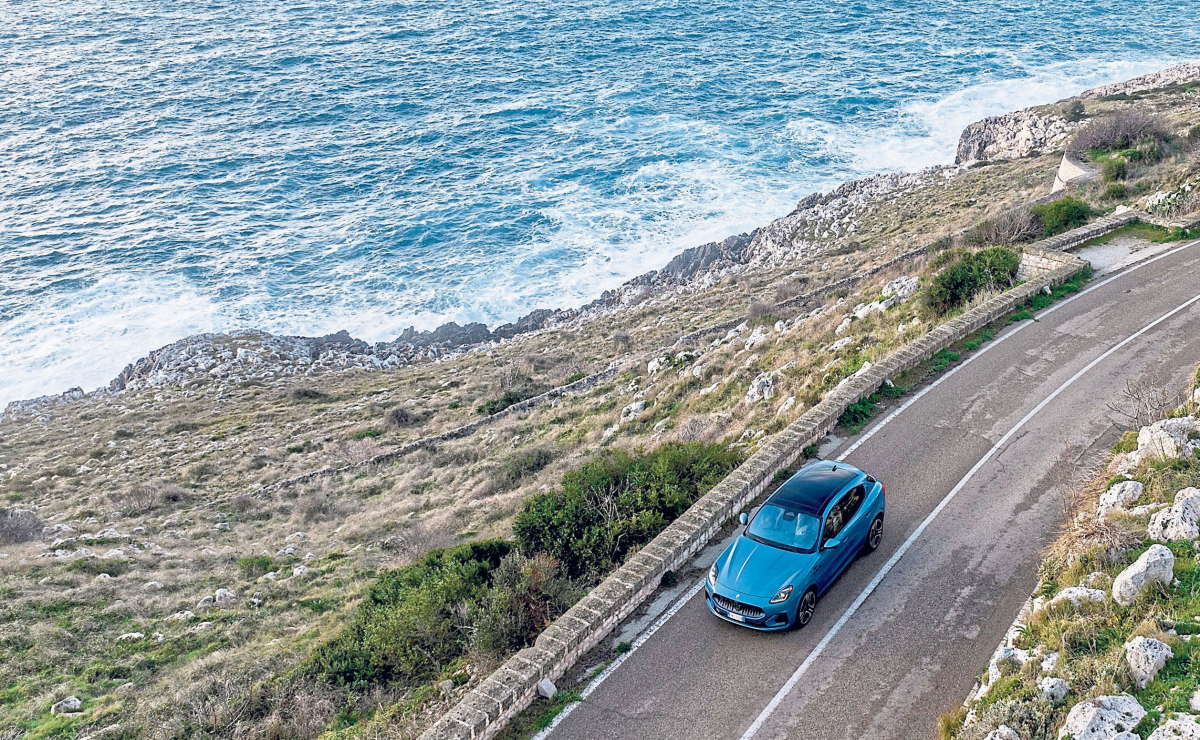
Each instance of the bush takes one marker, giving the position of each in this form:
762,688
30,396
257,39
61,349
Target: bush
397,417
527,594
1010,227
987,269
307,394
18,525
255,566
137,499
1120,131
411,624
510,397
618,502
1115,169
1073,111
524,463
857,414
1062,215
1115,191
95,566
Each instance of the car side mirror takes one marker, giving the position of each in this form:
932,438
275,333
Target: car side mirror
831,544
743,519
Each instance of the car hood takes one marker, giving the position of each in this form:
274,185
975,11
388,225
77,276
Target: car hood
755,569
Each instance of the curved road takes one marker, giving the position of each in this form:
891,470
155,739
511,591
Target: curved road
983,458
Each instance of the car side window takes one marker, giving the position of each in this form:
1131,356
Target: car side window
843,511
853,502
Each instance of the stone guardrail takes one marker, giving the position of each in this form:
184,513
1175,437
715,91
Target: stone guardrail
512,687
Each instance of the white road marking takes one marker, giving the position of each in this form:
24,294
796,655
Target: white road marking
644,636
599,679
891,563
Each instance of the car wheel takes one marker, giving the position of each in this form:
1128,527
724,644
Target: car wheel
875,536
808,605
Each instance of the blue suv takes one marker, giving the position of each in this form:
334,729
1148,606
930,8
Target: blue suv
796,545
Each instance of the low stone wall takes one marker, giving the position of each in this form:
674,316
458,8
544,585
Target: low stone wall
488,707
1035,262
1075,237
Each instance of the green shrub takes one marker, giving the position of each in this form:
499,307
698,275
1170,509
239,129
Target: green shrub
1115,169
1127,443
1062,215
1115,191
524,463
18,525
857,414
1073,111
510,397
95,566
255,566
365,433
618,502
988,269
408,627
527,594
576,376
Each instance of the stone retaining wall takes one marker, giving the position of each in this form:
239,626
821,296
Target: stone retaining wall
489,706
1035,262
1075,237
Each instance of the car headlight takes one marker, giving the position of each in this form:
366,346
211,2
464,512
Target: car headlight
712,575
782,595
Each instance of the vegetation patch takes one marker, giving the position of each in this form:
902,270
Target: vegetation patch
988,269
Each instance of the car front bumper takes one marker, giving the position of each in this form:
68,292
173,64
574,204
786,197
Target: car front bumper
774,616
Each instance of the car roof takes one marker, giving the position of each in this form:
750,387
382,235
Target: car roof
811,489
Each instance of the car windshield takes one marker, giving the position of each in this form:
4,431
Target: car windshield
788,528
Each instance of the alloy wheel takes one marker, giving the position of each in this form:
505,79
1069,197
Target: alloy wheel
876,534
808,604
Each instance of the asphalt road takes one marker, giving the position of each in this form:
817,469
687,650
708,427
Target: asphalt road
917,643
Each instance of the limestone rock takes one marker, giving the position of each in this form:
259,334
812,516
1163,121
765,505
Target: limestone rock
1003,732
1179,727
1179,522
902,287
1156,565
224,597
1194,702
1120,496
1011,136
206,602
446,687
300,571
70,704
1102,718
761,388
1053,689
1076,596
152,586
1167,439
1146,657
182,616
546,688
632,411
759,336
130,636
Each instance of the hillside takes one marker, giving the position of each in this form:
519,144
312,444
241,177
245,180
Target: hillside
175,546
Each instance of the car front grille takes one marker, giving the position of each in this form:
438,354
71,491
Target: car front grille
729,605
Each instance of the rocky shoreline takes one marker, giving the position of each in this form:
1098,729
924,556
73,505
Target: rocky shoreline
820,223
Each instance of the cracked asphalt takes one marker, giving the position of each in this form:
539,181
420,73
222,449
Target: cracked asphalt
916,646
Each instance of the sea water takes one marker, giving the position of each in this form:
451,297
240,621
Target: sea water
168,168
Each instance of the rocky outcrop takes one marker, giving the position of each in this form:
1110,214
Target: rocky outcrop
1179,727
1120,496
1168,439
1003,732
1164,78
1052,689
1146,657
1012,136
1102,718
1156,565
1179,522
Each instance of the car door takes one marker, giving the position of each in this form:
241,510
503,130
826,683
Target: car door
829,563
855,530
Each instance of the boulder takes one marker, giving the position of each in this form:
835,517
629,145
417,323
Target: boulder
1102,718
152,586
1179,522
761,388
224,597
1194,702
70,704
632,411
1120,496
1146,657
1003,732
1005,653
1053,689
1167,439
130,636
1156,565
1077,596
446,687
546,688
1179,727
206,602
182,616
902,287
300,571
760,335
